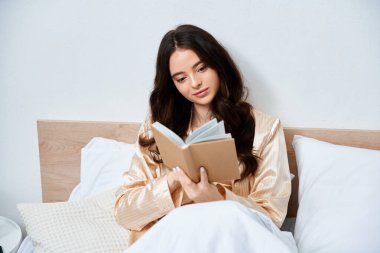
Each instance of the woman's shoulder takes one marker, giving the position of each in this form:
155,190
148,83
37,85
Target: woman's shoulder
264,120
266,126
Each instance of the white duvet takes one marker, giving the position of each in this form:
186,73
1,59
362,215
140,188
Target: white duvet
222,226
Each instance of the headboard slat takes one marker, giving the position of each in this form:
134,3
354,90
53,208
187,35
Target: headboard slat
60,144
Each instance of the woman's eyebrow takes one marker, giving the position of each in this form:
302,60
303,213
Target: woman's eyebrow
194,66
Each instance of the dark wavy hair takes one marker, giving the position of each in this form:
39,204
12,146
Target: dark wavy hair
171,109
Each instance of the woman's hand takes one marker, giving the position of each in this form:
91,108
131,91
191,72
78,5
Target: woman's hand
198,192
173,181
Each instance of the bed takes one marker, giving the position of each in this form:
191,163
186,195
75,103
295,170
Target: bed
61,146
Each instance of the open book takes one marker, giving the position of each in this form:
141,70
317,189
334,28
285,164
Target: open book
208,146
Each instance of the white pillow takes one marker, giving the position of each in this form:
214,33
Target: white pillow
103,162
339,205
79,226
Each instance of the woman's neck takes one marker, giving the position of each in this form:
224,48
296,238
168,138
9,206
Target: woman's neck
200,115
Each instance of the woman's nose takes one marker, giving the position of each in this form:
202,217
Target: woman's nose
195,81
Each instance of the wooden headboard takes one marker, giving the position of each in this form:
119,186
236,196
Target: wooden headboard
60,144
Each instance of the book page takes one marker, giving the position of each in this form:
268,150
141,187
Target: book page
211,138
214,130
201,129
169,133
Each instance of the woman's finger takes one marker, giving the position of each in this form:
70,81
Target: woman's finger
204,177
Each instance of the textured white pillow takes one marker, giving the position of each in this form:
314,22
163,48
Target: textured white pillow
103,162
339,205
79,226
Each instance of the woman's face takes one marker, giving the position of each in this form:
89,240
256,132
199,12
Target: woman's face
196,81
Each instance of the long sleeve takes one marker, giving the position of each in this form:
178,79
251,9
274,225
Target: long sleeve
270,186
145,196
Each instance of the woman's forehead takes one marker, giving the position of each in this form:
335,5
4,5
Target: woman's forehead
182,60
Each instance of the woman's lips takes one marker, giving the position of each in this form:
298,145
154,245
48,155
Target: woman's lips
201,93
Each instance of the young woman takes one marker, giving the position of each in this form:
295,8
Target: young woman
196,80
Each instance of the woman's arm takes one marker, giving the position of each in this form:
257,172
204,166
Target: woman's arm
271,184
146,194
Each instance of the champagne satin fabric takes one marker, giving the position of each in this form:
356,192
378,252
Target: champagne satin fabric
145,197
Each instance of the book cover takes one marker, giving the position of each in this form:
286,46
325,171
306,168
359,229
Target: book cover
208,146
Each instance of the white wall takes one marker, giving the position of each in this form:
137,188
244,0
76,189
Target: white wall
311,63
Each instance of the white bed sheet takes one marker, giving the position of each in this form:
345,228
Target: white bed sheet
27,244
218,226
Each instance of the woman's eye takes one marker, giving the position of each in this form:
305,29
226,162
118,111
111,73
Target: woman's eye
181,80
202,69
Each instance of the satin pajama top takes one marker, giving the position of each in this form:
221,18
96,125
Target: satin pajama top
145,197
